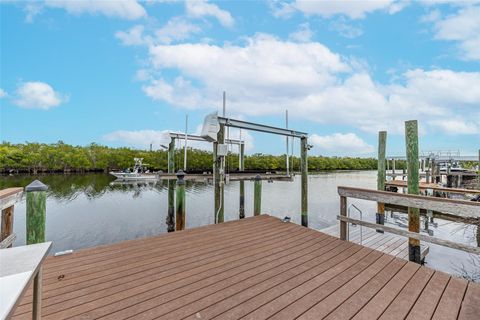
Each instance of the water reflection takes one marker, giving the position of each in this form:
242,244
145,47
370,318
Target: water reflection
93,209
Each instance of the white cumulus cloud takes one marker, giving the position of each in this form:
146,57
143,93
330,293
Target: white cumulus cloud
264,66
463,27
132,37
353,9
303,34
37,95
139,138
265,76
201,8
175,30
340,144
124,9
456,126
3,93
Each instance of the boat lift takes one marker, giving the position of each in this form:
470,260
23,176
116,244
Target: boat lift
214,130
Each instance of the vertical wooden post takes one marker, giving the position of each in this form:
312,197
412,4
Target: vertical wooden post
427,170
478,234
450,179
449,176
219,175
438,176
382,147
411,139
478,173
343,212
393,168
7,223
257,195
432,171
171,187
304,167
180,201
36,211
241,166
478,187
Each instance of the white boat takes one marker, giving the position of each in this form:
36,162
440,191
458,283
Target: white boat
136,174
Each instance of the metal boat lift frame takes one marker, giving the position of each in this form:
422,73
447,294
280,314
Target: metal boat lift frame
219,161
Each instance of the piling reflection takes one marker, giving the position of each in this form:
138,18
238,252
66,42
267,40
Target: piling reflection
92,209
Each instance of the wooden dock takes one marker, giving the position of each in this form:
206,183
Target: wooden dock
254,268
431,186
423,174
389,243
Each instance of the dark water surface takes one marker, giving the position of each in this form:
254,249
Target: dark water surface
89,210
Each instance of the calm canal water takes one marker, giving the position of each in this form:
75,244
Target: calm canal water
89,210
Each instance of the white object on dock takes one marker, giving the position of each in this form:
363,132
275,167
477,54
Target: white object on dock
62,253
18,267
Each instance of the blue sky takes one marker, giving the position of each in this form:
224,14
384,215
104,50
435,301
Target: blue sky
122,73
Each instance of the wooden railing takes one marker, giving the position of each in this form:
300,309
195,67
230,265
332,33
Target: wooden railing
460,208
8,197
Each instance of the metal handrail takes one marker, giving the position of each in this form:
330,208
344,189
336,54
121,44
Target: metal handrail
361,214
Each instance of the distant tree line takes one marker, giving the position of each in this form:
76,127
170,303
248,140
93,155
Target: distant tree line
60,157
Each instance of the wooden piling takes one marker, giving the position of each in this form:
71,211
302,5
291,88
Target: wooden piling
393,168
432,171
219,175
257,195
241,165
381,175
427,170
343,212
180,201
171,187
478,173
304,167
438,177
450,180
478,235
36,212
411,139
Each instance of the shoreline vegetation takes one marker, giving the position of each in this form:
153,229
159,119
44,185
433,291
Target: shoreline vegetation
60,157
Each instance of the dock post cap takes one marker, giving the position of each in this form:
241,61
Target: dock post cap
258,177
36,185
180,173
180,176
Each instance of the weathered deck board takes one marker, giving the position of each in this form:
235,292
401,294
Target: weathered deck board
385,242
256,268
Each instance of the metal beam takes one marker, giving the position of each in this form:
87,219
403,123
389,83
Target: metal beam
193,137
260,127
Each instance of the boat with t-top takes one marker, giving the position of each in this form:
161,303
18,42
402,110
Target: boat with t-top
137,173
